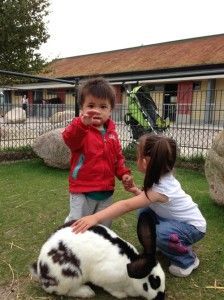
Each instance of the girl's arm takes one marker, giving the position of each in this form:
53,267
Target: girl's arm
115,210
153,196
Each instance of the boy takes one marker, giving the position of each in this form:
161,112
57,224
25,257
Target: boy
96,154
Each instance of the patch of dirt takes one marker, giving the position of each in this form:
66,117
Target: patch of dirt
16,290
24,288
9,292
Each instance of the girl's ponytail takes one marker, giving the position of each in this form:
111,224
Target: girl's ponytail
161,152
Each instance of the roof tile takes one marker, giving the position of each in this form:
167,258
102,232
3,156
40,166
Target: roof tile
200,51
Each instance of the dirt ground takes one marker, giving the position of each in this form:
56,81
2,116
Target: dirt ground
9,292
16,290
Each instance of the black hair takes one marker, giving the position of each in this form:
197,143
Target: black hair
99,88
162,152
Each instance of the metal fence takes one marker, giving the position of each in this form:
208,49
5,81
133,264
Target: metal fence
194,135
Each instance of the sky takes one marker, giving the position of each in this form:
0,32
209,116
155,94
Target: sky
79,27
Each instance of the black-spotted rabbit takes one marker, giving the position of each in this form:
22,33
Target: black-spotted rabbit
68,261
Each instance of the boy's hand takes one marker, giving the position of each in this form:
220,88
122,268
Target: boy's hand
88,117
127,181
84,223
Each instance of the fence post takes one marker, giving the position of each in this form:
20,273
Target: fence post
76,98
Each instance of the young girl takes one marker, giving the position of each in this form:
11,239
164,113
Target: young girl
180,222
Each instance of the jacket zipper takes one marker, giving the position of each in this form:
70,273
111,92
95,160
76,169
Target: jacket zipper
78,166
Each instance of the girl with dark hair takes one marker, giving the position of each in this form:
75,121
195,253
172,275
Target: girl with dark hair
180,223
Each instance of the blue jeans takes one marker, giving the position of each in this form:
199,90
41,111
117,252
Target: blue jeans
174,239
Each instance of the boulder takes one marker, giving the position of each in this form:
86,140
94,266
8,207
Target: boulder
214,169
52,149
62,116
14,116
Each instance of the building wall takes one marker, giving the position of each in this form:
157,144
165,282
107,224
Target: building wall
198,102
200,107
118,94
70,98
157,97
219,100
16,98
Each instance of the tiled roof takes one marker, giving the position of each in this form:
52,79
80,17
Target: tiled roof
193,52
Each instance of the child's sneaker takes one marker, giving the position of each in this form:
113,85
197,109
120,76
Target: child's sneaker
179,272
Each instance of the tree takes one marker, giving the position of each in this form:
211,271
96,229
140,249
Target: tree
22,32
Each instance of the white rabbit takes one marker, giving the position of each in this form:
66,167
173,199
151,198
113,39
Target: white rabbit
68,261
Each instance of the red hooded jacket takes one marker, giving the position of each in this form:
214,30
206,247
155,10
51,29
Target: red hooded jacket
95,158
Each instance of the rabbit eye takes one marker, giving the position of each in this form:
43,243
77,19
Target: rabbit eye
145,287
47,280
154,281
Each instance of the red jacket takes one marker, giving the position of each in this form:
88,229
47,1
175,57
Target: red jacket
95,158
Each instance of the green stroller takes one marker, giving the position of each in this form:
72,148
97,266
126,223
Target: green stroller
142,115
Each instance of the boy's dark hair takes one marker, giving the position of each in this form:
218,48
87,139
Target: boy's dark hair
99,88
162,151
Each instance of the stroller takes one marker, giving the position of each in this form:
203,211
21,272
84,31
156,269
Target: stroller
142,113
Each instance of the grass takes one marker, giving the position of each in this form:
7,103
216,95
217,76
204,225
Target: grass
34,201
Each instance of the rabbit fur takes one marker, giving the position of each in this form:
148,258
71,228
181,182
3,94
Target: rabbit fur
68,261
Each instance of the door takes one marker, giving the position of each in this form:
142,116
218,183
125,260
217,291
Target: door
184,97
170,96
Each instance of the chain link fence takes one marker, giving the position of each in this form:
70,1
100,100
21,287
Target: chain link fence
193,132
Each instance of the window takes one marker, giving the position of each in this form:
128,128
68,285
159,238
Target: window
19,93
51,92
155,87
197,85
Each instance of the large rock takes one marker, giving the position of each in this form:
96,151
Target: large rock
52,149
214,169
62,116
14,116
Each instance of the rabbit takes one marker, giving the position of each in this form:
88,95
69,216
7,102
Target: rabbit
68,261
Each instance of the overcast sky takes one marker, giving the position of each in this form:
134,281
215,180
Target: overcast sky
80,27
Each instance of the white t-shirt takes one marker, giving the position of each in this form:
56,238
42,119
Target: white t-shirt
24,100
180,205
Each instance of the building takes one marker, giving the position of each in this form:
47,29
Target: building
187,74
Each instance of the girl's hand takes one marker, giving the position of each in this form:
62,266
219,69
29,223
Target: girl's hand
88,117
84,223
129,184
135,190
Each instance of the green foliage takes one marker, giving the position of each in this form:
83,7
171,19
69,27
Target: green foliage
22,149
34,202
14,154
23,30
198,159
196,162
130,151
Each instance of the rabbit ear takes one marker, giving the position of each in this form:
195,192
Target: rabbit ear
146,230
141,267
138,269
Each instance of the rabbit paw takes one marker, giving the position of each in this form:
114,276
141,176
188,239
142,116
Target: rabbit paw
83,291
118,294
